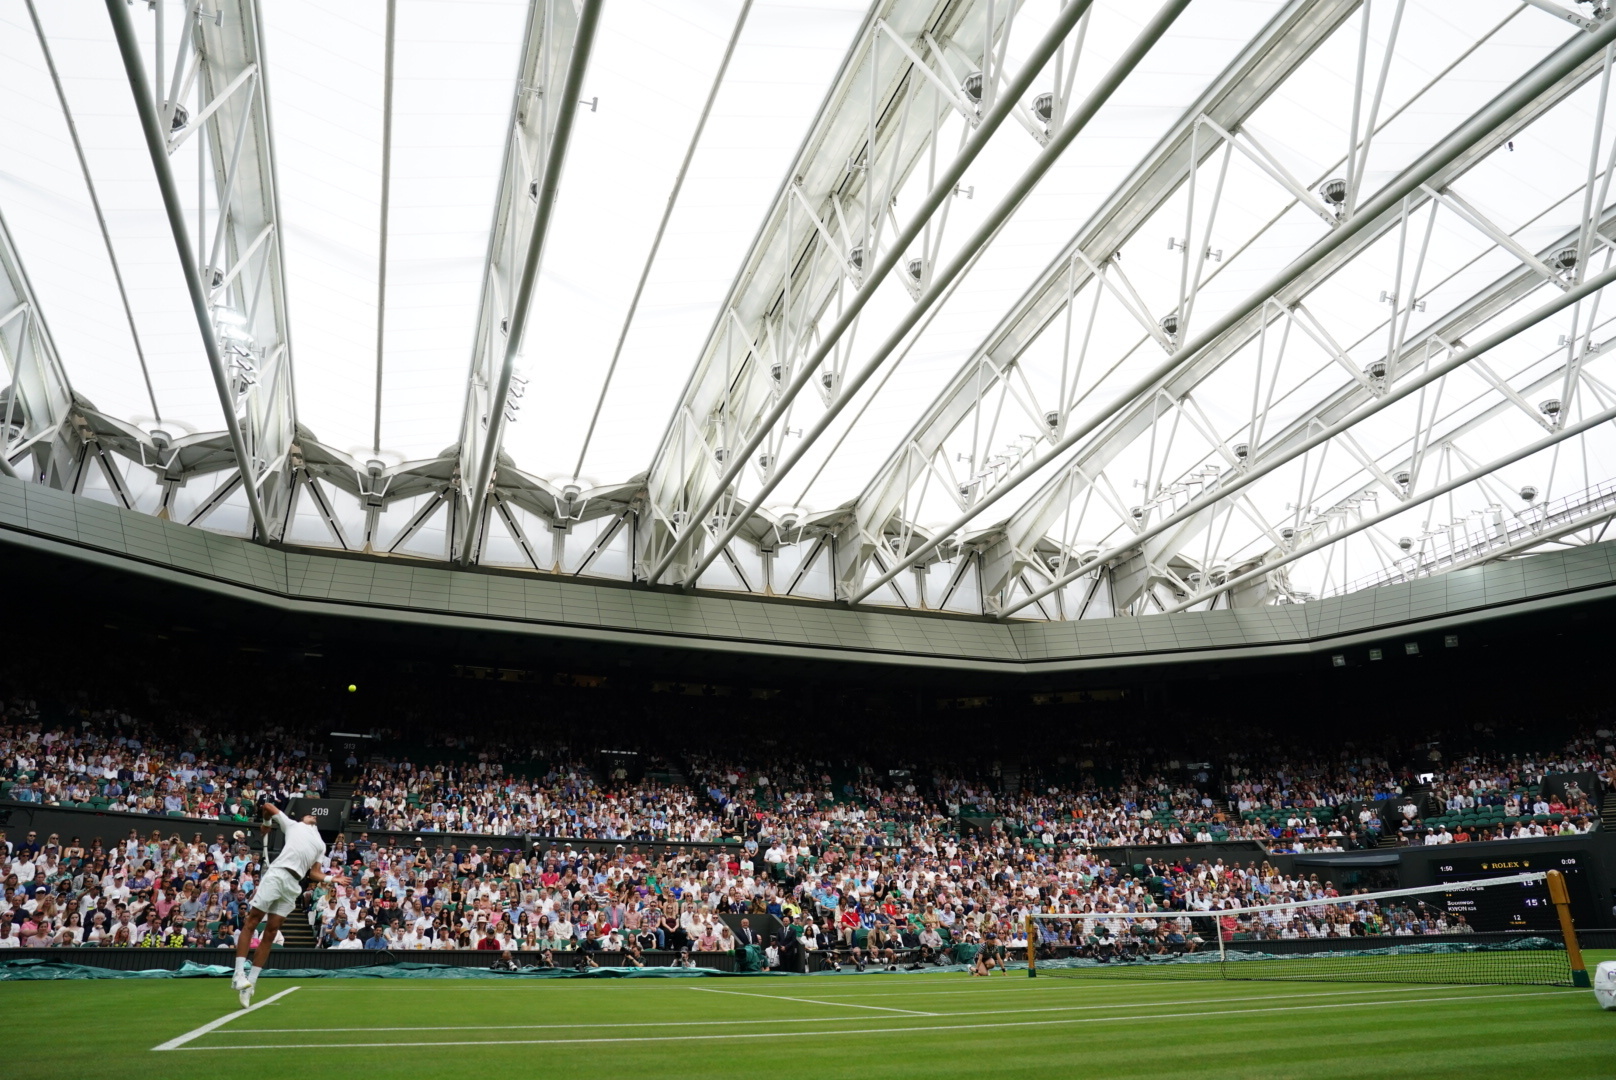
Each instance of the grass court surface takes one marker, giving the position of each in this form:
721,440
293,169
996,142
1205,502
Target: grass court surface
869,1026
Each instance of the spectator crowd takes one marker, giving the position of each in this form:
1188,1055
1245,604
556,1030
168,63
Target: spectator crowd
862,863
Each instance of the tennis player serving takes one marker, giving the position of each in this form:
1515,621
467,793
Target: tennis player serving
277,893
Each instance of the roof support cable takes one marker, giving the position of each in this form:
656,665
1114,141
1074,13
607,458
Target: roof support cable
662,227
387,188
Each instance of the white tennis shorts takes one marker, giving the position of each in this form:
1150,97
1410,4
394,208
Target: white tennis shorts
277,893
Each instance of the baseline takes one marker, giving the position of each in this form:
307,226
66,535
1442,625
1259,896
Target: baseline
213,1025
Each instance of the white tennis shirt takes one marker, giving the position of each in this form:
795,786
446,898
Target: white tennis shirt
304,847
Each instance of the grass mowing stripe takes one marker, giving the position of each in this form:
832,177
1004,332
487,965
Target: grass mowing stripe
1008,1011
738,1035
212,1025
811,1001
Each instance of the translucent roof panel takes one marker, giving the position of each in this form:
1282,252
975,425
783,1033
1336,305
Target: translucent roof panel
455,66
47,208
652,71
1218,353
454,72
326,91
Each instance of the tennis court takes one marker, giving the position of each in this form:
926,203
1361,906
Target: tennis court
874,1025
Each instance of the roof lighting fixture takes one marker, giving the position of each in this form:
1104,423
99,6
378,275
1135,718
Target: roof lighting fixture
1334,193
972,87
231,325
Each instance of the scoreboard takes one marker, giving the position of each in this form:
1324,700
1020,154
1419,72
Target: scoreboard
1522,907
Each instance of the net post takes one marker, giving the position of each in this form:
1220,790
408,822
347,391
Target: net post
1032,947
1561,900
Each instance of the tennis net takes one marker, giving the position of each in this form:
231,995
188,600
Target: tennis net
1421,935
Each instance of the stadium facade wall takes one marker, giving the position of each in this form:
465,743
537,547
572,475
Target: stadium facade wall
412,592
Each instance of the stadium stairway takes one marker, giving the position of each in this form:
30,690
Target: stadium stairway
1608,812
1010,779
1420,795
296,929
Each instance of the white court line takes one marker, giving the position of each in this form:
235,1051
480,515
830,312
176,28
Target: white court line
879,1031
176,1044
995,989
812,1001
1007,1011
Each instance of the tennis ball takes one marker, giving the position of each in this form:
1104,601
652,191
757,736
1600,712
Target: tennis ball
352,688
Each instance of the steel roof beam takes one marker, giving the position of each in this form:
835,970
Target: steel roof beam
1485,306
1285,43
946,276
243,274
1549,82
877,124
1236,482
1034,518
1478,473
37,403
201,300
554,58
